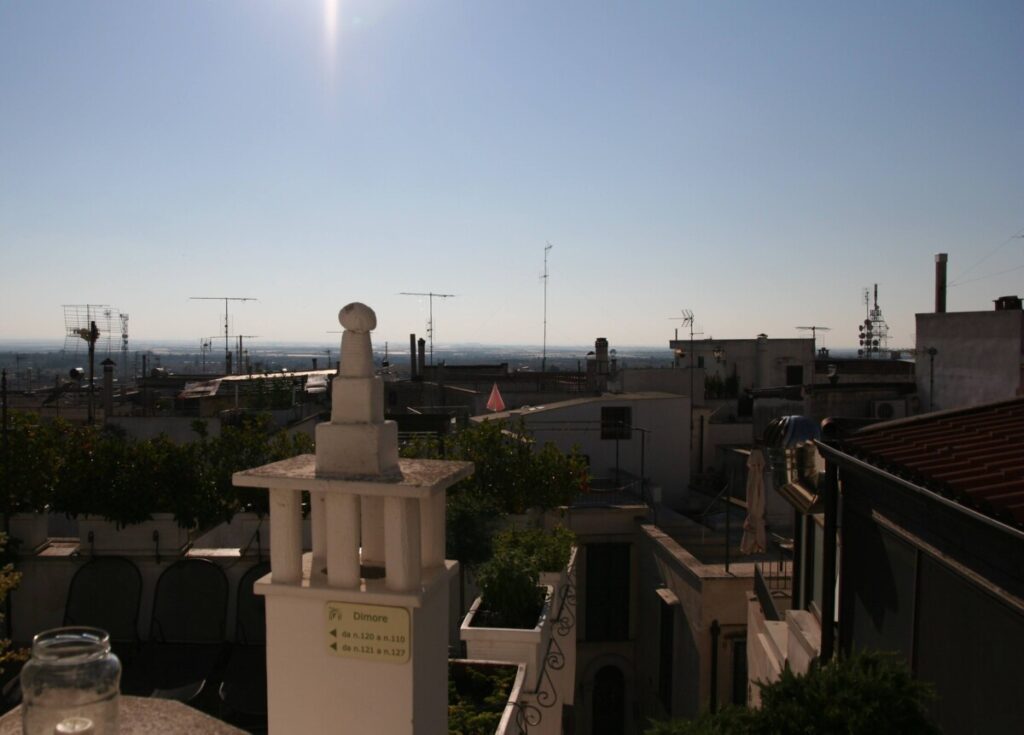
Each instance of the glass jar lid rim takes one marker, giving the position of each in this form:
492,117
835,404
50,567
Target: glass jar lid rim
70,644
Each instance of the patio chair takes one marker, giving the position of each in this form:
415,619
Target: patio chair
105,593
243,692
186,632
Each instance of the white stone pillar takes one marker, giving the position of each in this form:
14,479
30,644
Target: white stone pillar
432,524
402,544
286,536
373,530
343,540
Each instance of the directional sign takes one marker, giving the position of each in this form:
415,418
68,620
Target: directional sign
369,632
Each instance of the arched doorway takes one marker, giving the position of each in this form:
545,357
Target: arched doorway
608,709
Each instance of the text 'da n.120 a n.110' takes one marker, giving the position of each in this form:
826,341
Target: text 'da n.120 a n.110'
370,632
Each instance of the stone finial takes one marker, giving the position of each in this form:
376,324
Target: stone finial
357,317
356,351
357,441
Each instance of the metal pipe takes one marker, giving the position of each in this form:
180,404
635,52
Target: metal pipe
940,282
828,576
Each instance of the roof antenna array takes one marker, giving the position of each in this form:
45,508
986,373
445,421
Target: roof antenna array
227,322
88,323
874,331
430,321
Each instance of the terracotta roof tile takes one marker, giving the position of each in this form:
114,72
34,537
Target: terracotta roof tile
974,454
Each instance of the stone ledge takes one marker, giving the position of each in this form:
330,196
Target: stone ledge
419,478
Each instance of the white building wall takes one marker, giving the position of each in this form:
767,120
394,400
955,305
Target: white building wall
756,365
979,358
664,446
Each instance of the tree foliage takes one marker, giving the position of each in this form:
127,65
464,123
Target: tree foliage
9,580
511,470
548,550
868,693
81,470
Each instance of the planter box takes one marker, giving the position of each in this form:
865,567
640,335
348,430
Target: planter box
31,530
240,533
509,723
517,645
134,540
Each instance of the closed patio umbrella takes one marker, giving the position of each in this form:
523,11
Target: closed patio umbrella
495,403
754,534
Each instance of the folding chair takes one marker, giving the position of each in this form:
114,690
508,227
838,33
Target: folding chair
243,692
186,631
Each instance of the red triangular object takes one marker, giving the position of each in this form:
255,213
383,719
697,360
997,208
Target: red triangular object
494,403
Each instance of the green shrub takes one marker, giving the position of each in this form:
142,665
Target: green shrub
549,550
508,586
868,693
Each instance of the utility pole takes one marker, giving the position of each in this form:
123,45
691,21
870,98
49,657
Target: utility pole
544,353
225,299
90,335
430,322
687,317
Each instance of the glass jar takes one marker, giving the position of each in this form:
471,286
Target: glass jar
71,683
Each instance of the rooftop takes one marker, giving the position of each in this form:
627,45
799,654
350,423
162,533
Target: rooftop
973,455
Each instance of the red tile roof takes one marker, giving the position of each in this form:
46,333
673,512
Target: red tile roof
975,455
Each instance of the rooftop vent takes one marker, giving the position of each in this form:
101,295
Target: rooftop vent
1008,303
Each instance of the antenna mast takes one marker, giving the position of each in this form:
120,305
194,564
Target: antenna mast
874,332
430,322
814,329
225,299
544,353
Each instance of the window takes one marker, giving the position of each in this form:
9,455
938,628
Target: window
794,374
616,422
739,671
607,591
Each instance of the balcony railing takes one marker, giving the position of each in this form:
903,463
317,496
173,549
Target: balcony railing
773,585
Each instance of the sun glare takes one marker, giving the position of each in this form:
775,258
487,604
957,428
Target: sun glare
331,12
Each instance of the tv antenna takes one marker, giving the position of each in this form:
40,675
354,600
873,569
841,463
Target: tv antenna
205,345
225,299
430,321
80,316
814,329
124,351
241,351
687,321
544,349
88,322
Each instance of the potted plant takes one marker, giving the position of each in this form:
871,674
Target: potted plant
550,551
510,620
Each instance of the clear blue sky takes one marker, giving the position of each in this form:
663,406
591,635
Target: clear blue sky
757,163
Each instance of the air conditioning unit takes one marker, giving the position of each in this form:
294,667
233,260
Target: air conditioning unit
886,410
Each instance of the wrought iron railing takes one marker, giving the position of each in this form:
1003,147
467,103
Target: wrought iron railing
773,582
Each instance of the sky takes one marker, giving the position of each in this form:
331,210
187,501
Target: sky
756,163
